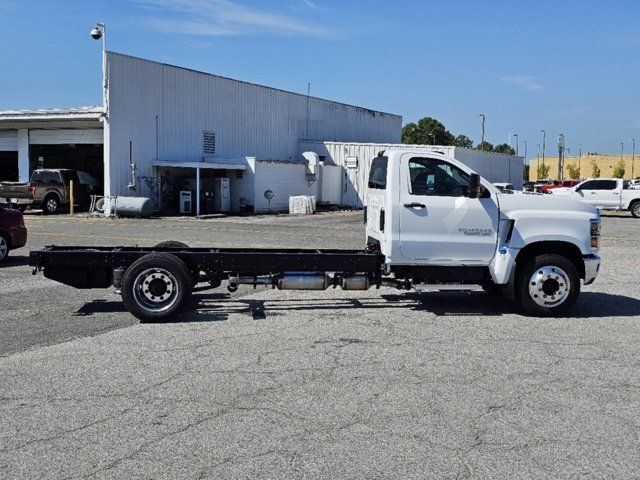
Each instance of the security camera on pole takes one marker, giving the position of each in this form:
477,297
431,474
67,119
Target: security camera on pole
99,32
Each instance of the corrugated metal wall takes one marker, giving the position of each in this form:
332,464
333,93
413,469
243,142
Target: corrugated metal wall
163,110
8,140
495,167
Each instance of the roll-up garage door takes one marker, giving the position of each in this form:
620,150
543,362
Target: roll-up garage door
8,140
66,136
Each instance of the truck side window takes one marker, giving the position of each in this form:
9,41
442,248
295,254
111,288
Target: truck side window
599,185
378,173
430,176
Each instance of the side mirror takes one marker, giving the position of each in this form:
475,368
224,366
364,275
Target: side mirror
474,185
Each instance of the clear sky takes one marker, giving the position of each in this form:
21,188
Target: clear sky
568,66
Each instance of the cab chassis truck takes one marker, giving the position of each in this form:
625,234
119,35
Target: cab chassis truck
431,224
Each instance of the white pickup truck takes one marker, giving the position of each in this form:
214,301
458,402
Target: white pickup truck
605,194
431,224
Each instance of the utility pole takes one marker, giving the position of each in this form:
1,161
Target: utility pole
433,136
516,135
482,138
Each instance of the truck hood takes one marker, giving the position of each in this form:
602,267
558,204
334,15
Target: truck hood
536,202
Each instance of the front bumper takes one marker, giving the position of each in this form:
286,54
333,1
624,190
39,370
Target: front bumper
591,268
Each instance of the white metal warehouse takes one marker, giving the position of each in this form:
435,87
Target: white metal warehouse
163,126
166,130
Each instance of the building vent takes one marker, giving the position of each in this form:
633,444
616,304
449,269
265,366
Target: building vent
239,173
208,143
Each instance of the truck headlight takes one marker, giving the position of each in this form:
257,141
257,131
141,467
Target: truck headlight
595,232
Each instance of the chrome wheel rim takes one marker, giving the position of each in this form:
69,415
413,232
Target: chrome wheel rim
636,209
156,290
549,286
52,205
4,248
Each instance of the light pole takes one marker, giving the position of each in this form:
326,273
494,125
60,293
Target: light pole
482,138
516,135
560,156
633,154
580,160
544,144
621,151
433,136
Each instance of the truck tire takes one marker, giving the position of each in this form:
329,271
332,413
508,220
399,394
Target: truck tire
547,286
156,287
99,205
51,204
171,244
4,248
634,208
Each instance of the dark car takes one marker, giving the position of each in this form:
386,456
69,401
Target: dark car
13,233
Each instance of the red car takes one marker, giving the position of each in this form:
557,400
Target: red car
562,184
13,233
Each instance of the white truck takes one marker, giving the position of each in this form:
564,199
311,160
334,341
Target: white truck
431,224
605,194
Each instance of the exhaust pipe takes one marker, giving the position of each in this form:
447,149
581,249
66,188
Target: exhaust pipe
304,281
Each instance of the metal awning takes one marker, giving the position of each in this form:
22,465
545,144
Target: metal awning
200,165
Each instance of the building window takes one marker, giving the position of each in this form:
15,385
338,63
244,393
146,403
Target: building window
208,143
238,173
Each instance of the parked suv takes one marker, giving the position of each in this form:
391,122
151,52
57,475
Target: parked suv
13,233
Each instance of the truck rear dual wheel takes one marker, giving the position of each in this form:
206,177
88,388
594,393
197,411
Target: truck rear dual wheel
547,286
635,209
156,287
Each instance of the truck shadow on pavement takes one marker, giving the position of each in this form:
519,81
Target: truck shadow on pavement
219,307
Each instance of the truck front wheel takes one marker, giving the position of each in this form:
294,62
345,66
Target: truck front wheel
156,287
548,286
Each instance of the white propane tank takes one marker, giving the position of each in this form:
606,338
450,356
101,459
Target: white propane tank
133,206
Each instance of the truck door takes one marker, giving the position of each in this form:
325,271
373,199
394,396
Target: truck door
600,193
438,223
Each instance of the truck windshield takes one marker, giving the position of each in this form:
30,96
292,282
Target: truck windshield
378,173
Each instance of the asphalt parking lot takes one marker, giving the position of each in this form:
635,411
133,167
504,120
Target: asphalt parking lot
271,384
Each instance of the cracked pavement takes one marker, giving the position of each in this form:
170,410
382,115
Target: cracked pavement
271,384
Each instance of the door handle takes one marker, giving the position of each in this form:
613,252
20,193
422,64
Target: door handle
415,205
593,193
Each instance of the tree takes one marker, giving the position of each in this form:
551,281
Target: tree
428,131
618,171
504,148
574,171
595,170
485,146
542,171
463,141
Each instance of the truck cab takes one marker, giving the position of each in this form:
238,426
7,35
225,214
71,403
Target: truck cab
435,220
